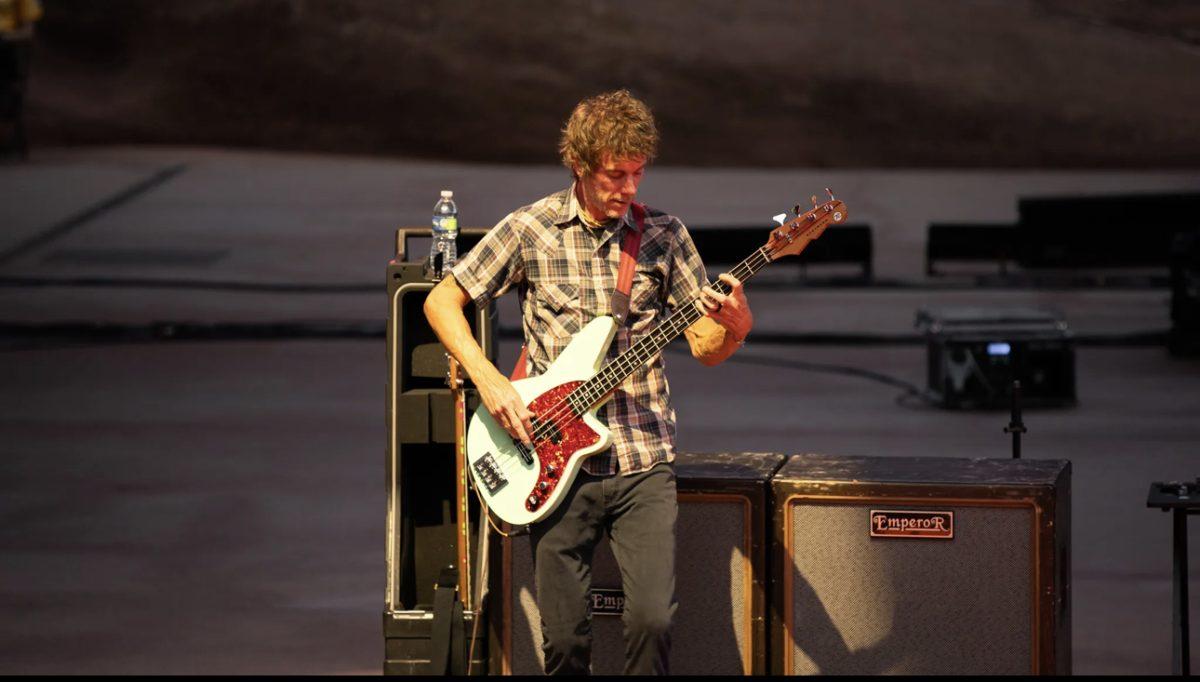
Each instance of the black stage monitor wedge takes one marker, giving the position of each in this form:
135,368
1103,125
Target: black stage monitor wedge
721,578
975,353
921,566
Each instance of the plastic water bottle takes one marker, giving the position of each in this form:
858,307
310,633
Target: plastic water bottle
444,250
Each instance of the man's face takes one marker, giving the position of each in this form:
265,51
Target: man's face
608,190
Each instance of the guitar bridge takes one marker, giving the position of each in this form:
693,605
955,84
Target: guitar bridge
488,473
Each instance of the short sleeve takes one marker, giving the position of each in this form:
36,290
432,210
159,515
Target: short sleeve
494,265
687,270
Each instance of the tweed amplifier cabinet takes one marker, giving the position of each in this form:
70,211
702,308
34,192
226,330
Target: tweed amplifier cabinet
921,566
721,573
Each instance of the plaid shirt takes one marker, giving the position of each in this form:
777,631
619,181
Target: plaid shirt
565,274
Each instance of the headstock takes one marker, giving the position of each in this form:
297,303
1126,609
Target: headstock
792,236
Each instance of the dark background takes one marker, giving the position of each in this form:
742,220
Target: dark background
1062,83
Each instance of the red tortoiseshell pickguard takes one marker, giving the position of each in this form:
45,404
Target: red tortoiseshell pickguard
552,407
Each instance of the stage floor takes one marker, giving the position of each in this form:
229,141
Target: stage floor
218,506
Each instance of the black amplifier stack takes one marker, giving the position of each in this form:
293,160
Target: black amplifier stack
424,519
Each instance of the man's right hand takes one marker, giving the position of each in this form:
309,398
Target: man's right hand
506,407
444,310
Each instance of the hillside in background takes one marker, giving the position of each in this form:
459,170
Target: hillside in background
835,83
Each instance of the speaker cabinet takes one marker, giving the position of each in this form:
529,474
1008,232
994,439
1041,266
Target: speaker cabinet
721,578
921,566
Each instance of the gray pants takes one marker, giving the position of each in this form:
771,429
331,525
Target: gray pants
638,513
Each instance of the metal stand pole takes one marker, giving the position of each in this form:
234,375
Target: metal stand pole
1016,427
1180,649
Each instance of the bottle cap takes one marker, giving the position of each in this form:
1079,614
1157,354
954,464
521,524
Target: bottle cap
447,194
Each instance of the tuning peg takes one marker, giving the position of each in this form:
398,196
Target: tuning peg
780,218
814,200
796,209
830,193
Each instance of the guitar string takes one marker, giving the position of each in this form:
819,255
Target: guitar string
590,392
610,377
671,326
566,406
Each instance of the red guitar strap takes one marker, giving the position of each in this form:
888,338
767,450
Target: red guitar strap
629,251
620,298
519,372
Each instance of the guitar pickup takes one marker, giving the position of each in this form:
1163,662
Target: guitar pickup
488,473
550,431
525,452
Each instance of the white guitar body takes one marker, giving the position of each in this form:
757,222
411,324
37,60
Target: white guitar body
503,477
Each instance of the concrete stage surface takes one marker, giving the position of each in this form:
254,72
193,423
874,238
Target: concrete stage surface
218,506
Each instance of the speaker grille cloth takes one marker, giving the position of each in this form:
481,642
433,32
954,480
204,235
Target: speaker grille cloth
864,605
713,572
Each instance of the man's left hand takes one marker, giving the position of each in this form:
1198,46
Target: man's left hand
731,310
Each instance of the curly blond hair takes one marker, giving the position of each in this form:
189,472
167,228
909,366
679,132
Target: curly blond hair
615,123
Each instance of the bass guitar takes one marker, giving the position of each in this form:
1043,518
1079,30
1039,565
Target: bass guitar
523,484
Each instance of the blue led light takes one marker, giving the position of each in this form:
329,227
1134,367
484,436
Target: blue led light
999,349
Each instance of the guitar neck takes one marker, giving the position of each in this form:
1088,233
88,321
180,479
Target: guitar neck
613,374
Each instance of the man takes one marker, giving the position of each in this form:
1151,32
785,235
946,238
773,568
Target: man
562,253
